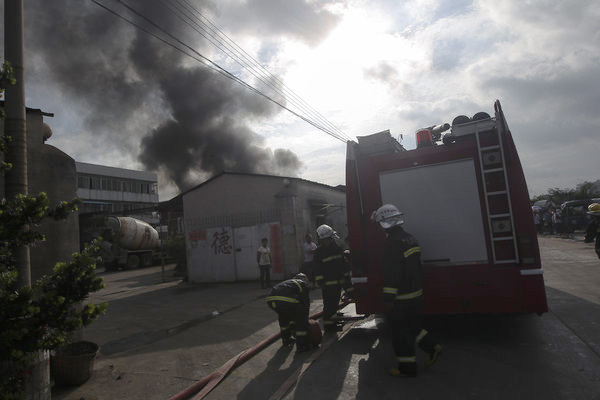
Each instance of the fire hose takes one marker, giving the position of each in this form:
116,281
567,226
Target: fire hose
201,388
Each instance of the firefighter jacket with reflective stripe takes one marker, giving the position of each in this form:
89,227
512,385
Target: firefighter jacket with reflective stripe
402,271
290,291
331,267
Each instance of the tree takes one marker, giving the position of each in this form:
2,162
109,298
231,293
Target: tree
585,190
44,315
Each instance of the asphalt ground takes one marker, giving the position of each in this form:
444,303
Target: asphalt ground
159,338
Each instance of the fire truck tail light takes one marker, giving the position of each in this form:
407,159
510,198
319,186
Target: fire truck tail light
526,249
424,138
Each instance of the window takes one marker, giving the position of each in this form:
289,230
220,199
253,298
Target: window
95,183
83,182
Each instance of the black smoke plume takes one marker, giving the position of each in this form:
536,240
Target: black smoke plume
182,119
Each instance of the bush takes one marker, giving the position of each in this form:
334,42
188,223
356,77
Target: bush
45,315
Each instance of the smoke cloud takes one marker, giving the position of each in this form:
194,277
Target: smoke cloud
178,117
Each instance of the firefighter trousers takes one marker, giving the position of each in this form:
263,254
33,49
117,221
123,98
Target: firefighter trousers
331,300
293,320
407,332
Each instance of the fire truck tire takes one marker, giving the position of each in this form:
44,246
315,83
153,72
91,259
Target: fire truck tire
133,261
481,115
461,119
147,260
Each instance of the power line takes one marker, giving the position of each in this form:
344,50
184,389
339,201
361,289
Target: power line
247,61
328,131
250,65
205,60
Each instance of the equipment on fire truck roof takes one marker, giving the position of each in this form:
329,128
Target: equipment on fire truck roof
463,125
379,143
428,136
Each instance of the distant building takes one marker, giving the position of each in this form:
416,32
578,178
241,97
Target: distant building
120,191
226,217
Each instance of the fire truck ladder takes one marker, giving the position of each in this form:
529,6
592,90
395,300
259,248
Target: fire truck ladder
496,222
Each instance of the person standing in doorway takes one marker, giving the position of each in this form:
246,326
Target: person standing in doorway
263,257
309,249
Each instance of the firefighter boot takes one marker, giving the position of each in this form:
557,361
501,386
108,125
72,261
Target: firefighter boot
433,356
288,341
405,369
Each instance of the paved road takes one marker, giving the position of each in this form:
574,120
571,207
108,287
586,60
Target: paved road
159,337
555,356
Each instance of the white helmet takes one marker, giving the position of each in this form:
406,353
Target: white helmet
325,231
388,215
302,277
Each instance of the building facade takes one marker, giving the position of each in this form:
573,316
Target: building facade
226,217
109,190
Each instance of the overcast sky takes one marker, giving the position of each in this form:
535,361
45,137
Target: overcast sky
123,98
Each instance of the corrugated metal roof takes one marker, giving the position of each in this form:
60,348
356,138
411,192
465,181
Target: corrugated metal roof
339,188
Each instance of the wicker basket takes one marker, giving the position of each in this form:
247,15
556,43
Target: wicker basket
73,364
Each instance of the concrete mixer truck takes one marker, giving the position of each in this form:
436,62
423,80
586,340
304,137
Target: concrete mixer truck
126,242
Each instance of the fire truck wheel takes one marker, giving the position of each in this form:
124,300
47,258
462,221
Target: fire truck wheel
133,261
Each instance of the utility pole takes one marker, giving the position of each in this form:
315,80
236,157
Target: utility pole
15,181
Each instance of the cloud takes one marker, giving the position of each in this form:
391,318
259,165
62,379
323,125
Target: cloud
383,72
541,59
308,21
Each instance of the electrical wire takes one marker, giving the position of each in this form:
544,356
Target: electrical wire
194,54
251,65
247,61
227,72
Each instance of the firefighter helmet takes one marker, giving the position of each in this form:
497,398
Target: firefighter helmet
325,231
388,215
302,277
594,209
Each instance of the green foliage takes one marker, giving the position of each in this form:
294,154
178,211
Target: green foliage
558,196
6,78
45,315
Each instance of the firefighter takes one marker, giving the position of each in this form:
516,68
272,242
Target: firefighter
332,274
403,293
290,300
594,227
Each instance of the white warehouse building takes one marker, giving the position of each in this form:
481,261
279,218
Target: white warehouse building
226,217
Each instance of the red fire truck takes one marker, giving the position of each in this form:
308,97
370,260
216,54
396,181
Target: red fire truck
466,202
